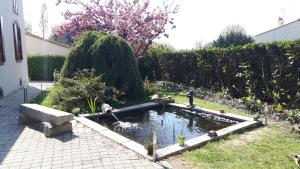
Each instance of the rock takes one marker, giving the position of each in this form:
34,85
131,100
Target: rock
212,133
51,130
297,159
296,128
154,97
46,114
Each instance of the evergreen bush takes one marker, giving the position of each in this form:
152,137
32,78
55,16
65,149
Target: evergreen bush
110,56
76,92
42,67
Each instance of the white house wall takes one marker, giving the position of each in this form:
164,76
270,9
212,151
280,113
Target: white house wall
12,71
287,32
36,45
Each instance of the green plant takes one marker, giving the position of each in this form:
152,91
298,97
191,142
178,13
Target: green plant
294,117
149,148
42,67
150,88
70,93
111,57
278,108
76,111
92,104
252,105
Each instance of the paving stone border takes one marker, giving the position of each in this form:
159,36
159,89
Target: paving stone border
244,123
26,147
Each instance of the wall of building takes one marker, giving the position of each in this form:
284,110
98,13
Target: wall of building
38,45
12,71
290,31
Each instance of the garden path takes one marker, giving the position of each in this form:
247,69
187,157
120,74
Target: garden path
27,147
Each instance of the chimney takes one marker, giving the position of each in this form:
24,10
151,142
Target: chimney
280,21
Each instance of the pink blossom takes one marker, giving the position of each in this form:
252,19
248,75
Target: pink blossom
133,20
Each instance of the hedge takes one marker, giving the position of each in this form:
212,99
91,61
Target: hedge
269,72
42,67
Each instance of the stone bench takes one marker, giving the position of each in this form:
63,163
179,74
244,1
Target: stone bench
58,122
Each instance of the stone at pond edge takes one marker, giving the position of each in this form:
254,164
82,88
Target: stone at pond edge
52,130
212,133
296,129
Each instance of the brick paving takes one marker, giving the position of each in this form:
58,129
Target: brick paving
27,147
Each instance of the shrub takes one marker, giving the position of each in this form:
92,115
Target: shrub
294,117
270,72
252,105
73,93
42,67
110,56
150,88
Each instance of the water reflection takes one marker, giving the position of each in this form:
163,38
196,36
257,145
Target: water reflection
169,124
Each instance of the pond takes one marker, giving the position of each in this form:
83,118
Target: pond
169,125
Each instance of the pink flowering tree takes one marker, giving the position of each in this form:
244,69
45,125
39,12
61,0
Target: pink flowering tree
134,20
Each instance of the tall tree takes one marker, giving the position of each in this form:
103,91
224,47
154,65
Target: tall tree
44,19
28,27
134,20
233,35
62,38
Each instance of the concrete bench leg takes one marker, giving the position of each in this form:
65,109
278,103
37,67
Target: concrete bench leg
51,130
26,120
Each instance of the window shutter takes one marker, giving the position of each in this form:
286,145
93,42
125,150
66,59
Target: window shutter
17,42
2,49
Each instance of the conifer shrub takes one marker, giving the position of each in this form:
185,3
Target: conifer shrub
108,55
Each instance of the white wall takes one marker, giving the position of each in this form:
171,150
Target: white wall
11,71
288,32
37,45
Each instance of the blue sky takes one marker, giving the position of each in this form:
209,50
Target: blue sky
197,20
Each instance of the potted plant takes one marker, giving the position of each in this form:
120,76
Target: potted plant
181,140
149,148
222,111
181,137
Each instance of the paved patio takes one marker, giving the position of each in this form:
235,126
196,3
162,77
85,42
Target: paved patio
27,147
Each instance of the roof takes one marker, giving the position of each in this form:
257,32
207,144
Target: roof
298,20
47,40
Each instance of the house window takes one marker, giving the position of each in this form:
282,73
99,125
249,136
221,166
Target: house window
15,7
2,50
17,42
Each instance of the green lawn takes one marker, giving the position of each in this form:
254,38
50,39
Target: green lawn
269,147
205,104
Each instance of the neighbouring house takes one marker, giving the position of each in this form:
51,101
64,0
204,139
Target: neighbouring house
39,45
290,31
13,59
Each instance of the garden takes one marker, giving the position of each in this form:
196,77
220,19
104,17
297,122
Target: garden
115,69
256,80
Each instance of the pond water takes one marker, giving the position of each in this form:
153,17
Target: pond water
138,125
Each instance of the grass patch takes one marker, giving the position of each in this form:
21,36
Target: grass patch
273,149
179,98
43,99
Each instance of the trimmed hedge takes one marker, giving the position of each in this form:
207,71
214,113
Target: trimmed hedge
42,67
110,56
269,72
